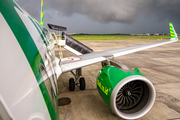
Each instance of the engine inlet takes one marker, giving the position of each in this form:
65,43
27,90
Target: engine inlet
129,95
133,97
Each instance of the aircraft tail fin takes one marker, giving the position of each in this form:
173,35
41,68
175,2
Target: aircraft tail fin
42,13
173,33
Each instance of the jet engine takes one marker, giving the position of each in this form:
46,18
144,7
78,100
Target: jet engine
127,92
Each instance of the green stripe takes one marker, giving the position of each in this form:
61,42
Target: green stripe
171,31
40,32
41,28
29,48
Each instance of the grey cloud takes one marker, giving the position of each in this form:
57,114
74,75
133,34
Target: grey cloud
104,11
101,10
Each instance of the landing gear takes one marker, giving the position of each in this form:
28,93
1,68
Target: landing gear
71,84
79,80
82,83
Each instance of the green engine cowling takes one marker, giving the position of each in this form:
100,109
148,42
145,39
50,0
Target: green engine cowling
128,93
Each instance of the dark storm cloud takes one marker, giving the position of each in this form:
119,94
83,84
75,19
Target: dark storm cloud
123,11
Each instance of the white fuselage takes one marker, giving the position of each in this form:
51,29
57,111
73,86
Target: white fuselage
20,91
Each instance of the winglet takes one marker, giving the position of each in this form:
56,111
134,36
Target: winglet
173,33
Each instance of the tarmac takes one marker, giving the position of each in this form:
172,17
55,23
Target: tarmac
161,65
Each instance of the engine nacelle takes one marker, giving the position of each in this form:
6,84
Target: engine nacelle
129,94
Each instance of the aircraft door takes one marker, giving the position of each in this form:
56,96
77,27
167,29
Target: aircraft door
49,86
50,72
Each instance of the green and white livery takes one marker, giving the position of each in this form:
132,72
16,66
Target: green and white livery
29,71
173,32
42,14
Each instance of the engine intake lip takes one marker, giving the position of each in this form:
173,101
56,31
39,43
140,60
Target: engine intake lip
144,105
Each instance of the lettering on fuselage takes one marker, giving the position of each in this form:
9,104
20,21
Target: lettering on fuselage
104,89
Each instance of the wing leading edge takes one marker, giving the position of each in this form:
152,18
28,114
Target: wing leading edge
96,57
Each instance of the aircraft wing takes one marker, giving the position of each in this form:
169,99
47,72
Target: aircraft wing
73,63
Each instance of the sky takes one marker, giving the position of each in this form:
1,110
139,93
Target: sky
107,16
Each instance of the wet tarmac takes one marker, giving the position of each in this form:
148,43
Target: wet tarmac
161,65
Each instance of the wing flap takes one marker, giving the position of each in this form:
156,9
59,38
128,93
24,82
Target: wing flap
82,63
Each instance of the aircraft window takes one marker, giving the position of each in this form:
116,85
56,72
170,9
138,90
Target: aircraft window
47,34
48,86
45,31
3,113
49,39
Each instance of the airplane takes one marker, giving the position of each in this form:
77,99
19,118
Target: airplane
29,71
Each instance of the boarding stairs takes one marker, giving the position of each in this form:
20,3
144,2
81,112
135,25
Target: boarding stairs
75,46
67,42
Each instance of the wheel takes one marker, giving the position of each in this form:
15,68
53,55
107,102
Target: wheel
71,84
82,83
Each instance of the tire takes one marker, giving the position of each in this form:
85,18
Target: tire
82,84
103,64
71,84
